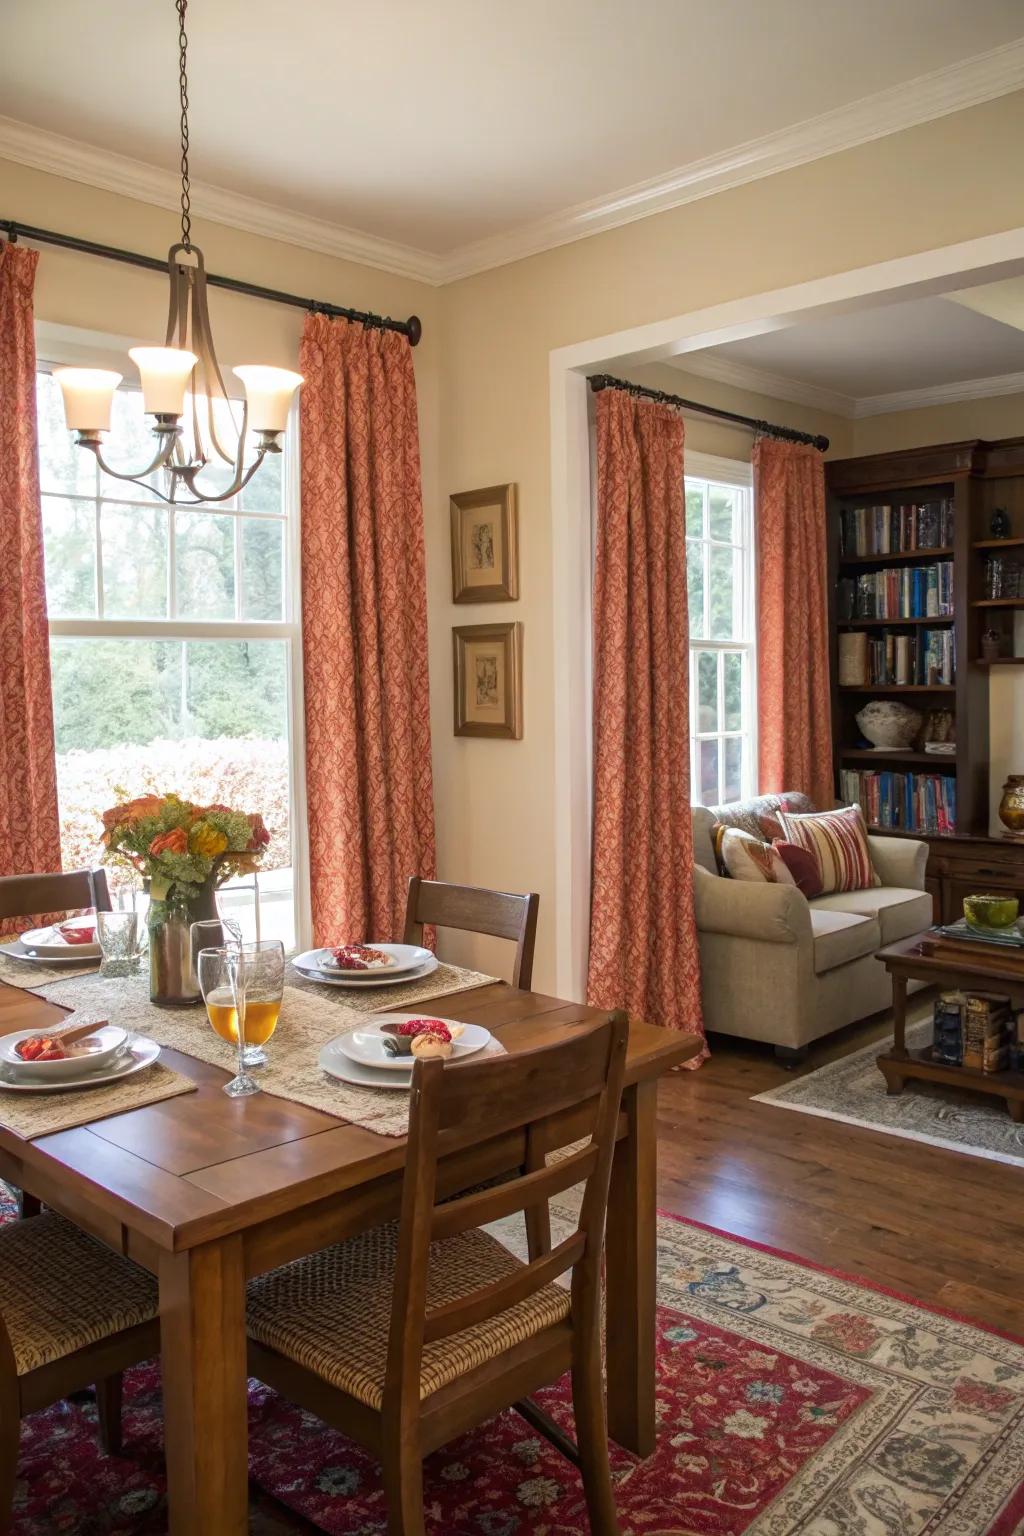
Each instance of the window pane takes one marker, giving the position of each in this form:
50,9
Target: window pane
130,447
262,567
134,541
723,513
204,560
695,509
63,466
695,588
724,582
264,493
733,685
733,768
69,546
708,772
707,691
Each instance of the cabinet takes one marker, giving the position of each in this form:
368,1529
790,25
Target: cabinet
965,866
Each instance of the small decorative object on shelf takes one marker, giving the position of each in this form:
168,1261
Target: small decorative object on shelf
1000,524
991,911
186,851
889,725
991,641
1011,806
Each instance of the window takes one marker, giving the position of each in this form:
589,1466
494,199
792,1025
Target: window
720,588
173,646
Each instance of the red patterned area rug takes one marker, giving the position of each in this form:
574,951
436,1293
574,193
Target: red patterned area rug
790,1400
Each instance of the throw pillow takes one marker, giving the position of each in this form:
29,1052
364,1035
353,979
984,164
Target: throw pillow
802,865
747,858
839,842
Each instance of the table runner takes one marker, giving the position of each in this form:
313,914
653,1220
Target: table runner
32,1115
311,1015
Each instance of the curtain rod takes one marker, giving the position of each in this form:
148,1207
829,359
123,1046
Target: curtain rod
412,328
601,381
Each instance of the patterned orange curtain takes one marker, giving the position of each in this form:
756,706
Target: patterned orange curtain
29,824
364,631
794,712
643,937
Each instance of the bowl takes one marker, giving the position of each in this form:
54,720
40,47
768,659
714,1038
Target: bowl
94,1052
991,911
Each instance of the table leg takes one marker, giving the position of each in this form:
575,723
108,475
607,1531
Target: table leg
630,1268
899,1015
202,1335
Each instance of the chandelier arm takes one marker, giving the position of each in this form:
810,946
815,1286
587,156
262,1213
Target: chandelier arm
202,336
161,459
189,474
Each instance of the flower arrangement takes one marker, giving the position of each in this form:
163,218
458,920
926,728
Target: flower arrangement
181,847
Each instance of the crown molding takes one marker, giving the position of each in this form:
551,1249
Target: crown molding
953,88
760,382
60,156
940,394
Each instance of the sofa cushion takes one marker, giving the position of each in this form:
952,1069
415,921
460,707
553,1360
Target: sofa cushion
839,841
760,815
748,858
841,936
898,911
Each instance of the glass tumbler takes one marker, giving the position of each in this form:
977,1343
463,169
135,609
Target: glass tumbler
118,936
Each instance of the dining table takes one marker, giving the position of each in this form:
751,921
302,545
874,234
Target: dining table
206,1191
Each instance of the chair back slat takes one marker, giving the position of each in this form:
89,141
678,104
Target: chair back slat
473,909
491,1300
535,1188
40,895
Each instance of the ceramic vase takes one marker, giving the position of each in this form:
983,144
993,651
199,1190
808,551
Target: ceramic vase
1011,806
889,725
172,977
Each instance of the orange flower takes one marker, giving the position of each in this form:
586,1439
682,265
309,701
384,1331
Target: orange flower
175,841
132,810
260,836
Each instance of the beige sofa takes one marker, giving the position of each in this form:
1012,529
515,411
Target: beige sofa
777,967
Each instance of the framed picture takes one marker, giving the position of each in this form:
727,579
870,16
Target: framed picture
488,662
485,545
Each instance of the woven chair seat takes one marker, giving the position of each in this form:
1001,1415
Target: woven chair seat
331,1312
61,1290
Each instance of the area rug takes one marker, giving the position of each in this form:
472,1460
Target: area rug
789,1400
852,1090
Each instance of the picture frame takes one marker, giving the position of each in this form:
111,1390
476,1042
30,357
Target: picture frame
488,675
485,545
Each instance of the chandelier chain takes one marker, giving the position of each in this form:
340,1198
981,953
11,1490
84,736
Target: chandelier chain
186,202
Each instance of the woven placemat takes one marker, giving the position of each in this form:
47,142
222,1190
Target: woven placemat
30,975
311,1015
30,1115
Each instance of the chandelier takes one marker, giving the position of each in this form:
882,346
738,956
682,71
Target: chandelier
186,361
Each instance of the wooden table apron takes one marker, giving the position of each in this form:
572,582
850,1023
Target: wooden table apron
205,1191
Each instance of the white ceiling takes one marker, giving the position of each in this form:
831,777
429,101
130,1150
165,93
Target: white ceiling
438,124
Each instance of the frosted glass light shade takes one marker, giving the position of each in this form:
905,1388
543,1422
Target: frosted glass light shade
268,392
165,372
88,395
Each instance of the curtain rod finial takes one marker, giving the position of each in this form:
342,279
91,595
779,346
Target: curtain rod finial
414,330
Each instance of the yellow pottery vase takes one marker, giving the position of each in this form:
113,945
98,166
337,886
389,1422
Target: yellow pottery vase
1011,806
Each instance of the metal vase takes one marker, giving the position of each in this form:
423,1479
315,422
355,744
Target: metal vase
172,976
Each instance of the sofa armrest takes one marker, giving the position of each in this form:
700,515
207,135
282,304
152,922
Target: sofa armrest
749,909
899,861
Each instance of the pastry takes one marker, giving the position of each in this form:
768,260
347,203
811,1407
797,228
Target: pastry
431,1047
357,957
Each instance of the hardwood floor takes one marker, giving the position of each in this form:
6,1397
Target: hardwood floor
942,1227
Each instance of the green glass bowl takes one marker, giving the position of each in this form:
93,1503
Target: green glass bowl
991,911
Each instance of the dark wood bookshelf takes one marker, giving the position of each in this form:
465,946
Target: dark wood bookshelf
933,622
897,687
1001,661
998,602
906,556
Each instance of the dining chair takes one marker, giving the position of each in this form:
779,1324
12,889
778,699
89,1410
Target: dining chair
413,1333
498,914
72,1314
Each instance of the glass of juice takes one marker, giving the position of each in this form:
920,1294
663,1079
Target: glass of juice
242,987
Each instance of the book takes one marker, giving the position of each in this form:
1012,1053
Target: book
986,1032
853,658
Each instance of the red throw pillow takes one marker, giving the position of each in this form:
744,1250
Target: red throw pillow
802,865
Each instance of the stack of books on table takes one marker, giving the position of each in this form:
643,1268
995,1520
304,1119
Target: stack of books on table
1009,938
976,1030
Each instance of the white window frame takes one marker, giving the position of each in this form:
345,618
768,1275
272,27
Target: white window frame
733,473
57,345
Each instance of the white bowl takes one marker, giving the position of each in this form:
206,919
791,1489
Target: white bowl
89,1055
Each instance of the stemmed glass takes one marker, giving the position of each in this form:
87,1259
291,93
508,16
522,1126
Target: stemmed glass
222,981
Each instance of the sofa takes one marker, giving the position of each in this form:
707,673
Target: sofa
780,968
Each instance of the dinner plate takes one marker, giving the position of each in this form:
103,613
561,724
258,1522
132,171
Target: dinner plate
103,1047
142,1054
48,944
348,1071
403,957
364,978
366,1044
72,954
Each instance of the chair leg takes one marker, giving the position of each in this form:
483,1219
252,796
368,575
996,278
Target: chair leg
10,1437
403,1488
29,1205
592,1438
108,1410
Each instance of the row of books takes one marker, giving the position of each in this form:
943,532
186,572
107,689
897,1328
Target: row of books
902,802
888,530
898,592
978,1030
887,658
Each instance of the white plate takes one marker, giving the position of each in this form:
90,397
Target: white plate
366,1044
143,1053
337,1065
109,1039
48,944
71,955
403,958
359,979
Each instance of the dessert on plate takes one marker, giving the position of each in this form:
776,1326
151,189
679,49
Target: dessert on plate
425,1039
356,957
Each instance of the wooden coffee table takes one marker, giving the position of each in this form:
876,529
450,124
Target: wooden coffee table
929,957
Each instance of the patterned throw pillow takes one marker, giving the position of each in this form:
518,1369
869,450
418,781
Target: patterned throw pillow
839,842
747,858
802,865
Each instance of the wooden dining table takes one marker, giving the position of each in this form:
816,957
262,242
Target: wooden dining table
205,1191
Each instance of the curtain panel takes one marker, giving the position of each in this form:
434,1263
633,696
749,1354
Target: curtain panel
794,710
29,823
643,936
364,631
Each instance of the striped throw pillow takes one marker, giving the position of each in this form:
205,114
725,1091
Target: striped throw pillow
839,842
